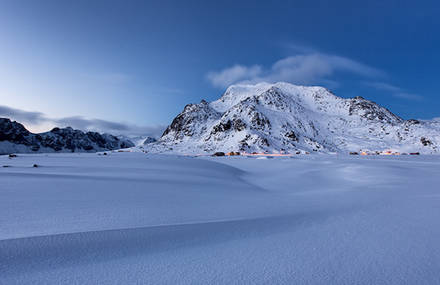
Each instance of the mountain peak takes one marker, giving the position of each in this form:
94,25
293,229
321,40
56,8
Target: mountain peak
285,117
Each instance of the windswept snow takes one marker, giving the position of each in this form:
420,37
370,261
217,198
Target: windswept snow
127,218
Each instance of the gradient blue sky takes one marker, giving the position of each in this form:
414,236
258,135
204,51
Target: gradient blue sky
140,62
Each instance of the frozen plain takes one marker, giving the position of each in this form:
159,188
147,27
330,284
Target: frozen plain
132,218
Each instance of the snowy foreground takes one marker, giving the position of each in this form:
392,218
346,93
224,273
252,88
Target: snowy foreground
129,218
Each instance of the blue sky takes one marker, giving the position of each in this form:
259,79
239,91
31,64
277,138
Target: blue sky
139,62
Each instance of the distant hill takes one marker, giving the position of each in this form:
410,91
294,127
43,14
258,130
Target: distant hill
15,138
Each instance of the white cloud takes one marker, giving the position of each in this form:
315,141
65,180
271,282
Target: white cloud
20,115
299,69
408,96
307,67
38,122
233,74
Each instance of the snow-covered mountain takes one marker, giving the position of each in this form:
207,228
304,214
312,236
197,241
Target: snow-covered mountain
14,137
285,117
138,140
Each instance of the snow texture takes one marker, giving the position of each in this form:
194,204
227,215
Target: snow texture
132,218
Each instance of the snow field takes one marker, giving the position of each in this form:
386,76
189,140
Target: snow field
130,218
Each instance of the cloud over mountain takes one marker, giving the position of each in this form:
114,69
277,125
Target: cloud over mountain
306,69
36,119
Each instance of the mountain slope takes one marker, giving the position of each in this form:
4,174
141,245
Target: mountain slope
14,137
285,117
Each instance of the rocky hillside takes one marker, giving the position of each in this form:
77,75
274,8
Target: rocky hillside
287,118
14,137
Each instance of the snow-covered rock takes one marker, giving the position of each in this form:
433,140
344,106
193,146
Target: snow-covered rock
14,137
284,117
138,140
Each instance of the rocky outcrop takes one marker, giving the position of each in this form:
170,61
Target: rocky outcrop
14,137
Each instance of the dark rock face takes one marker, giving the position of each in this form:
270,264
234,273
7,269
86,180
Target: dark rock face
425,141
413,122
222,127
291,135
372,111
59,139
235,124
183,124
238,125
14,132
